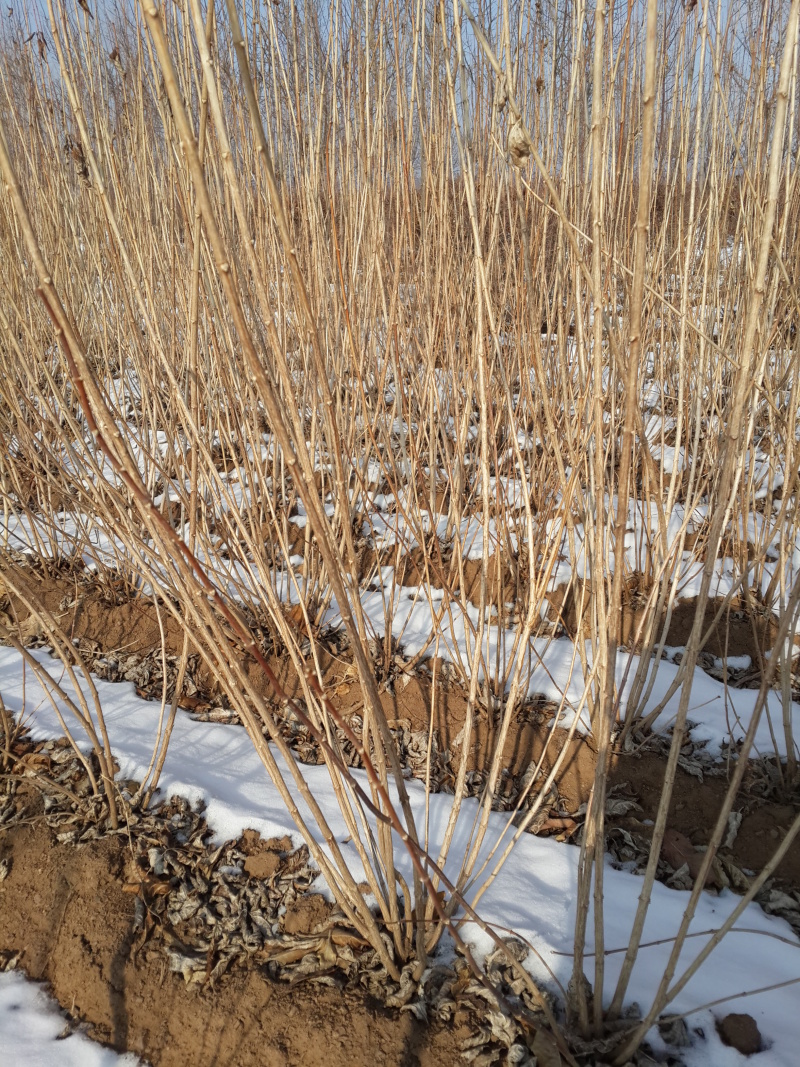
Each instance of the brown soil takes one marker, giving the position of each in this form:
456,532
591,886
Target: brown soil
53,900
696,805
411,570
64,908
740,1032
86,613
132,627
409,701
741,629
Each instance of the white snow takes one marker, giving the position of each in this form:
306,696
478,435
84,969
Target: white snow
30,1028
533,894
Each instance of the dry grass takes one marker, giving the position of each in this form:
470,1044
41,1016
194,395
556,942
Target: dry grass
214,306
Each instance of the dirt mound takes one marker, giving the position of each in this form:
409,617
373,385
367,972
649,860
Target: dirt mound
65,909
737,629
421,697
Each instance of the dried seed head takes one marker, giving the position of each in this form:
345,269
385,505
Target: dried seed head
520,145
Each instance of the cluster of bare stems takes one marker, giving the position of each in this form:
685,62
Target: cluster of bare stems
494,272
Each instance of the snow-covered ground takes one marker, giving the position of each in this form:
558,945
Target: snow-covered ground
423,624
534,892
33,1034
